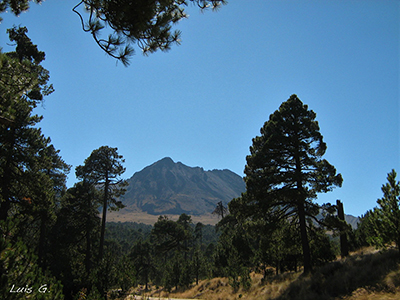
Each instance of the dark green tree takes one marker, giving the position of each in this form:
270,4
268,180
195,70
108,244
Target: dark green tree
142,258
16,6
46,190
23,147
234,252
220,210
81,205
199,265
172,244
185,221
285,169
32,172
74,238
146,24
322,248
103,169
278,245
169,235
174,268
364,231
198,233
19,270
384,220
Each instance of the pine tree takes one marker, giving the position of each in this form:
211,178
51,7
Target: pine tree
145,23
384,221
141,256
19,270
285,170
22,146
102,169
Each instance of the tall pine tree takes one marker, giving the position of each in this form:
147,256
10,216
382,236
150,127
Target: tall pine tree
103,169
285,170
383,222
24,83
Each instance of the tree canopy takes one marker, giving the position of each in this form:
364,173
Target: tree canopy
383,222
285,170
28,160
102,169
146,24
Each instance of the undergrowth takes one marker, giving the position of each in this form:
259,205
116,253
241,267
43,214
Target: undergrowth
366,275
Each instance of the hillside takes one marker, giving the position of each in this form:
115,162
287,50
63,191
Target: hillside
365,275
166,187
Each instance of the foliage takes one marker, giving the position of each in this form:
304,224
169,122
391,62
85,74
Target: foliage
142,258
25,64
19,270
74,238
322,247
382,224
27,157
169,235
200,267
364,231
32,174
17,6
148,24
234,253
278,246
144,23
127,234
285,171
220,210
102,169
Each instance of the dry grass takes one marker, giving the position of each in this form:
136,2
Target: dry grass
220,289
145,218
364,275
357,277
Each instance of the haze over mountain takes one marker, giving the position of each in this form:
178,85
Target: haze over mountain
166,187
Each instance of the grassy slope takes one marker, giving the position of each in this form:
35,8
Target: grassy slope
125,215
365,275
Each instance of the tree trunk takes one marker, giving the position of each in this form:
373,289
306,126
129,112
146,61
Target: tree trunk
88,259
304,239
4,208
6,178
42,240
103,220
277,267
344,248
302,216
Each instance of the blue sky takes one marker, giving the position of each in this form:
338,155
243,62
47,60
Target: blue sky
204,101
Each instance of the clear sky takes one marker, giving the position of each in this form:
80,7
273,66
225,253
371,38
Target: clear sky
204,101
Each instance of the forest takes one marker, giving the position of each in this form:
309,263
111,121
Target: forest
54,243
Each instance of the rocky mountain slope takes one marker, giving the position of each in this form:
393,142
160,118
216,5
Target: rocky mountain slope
166,187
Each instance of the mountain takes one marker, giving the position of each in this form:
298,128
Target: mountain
169,188
166,187
353,221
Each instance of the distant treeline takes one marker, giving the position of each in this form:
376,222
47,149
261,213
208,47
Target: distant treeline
128,233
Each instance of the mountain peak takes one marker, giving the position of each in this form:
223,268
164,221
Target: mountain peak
166,160
166,187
